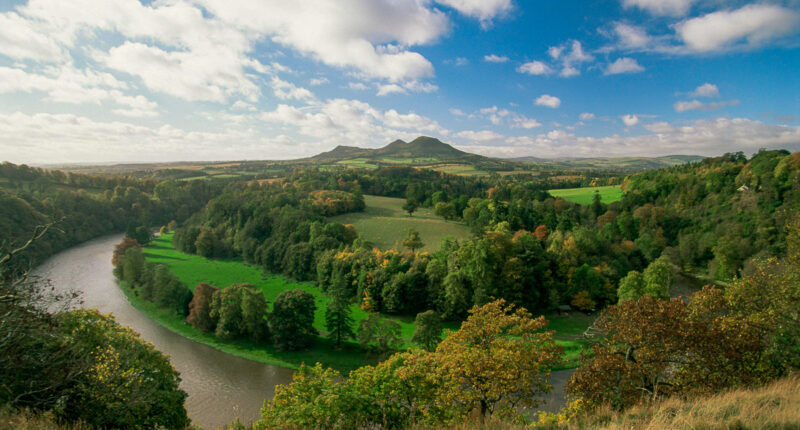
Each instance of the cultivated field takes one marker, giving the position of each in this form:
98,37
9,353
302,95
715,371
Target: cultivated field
384,224
584,196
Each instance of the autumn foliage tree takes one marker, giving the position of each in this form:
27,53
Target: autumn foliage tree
500,359
200,308
120,248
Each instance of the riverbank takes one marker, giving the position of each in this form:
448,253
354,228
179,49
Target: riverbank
193,269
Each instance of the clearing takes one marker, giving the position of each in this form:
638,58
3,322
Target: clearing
584,196
385,224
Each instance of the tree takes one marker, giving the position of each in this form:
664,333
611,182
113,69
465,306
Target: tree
143,235
338,318
410,206
254,313
128,384
292,320
379,335
120,248
133,266
200,308
226,309
631,287
413,241
429,330
445,210
205,244
499,359
658,278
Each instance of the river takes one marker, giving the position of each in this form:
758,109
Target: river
221,387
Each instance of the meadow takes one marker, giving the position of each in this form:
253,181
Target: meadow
585,195
385,224
193,269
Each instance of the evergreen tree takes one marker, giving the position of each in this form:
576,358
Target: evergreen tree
338,318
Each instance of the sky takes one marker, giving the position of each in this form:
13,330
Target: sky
188,80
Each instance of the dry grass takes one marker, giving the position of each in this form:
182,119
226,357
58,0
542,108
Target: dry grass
775,406
26,420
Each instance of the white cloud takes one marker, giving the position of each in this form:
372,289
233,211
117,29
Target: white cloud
709,137
525,122
548,101
21,39
460,61
751,25
661,7
457,112
357,86
492,58
318,81
683,106
387,89
705,90
483,10
286,90
479,136
587,116
373,41
631,37
630,120
623,65
535,68
412,122
68,85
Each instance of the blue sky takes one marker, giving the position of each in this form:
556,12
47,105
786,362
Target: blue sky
126,81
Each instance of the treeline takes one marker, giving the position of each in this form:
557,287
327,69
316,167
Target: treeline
85,206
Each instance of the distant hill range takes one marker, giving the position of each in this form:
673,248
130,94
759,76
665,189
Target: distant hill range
431,152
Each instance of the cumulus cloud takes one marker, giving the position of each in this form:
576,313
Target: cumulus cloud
66,84
623,65
318,81
587,116
548,101
705,90
661,7
22,39
483,10
630,120
751,25
535,68
492,58
286,90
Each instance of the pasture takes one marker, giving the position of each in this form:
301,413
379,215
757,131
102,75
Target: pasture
585,195
385,224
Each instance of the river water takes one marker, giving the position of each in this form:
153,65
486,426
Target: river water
221,387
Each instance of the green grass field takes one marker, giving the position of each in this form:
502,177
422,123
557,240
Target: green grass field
584,196
385,224
193,269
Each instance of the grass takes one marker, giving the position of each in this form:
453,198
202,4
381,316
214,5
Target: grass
385,224
773,406
193,269
584,196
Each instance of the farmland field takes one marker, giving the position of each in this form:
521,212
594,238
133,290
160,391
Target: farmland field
384,224
584,196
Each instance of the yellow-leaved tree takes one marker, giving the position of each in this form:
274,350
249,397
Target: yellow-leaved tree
499,360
